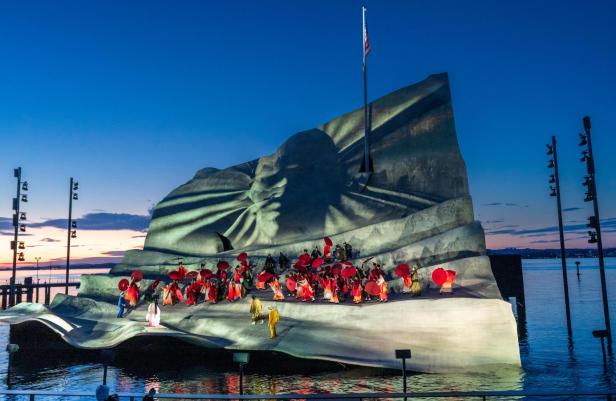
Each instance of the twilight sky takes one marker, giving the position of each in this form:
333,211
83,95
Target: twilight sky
132,98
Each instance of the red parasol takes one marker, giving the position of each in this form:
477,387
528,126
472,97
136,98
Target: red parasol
264,277
123,285
242,257
373,288
439,276
175,275
291,284
304,260
347,263
336,269
192,275
328,241
206,274
451,275
348,272
136,276
155,284
403,270
223,265
317,263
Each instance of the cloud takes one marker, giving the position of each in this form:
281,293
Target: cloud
114,253
507,204
494,221
6,223
607,225
102,221
571,209
47,239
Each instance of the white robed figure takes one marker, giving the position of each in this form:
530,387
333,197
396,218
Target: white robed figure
153,314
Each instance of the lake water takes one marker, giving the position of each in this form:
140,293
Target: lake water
549,360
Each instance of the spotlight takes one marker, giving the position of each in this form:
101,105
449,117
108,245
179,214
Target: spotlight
22,228
21,257
551,163
553,193
550,150
592,222
73,224
73,234
22,216
24,198
583,140
75,186
584,156
24,186
22,245
593,237
552,179
75,196
588,197
587,181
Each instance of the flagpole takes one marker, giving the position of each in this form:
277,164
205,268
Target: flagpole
366,122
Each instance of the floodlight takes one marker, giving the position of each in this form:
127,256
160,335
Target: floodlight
24,198
551,163
583,140
75,196
73,224
552,179
24,186
73,234
593,237
586,121
21,257
550,150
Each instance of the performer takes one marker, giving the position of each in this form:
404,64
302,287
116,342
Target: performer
416,285
357,292
212,294
407,281
274,317
306,290
153,314
132,294
231,291
348,250
335,290
167,298
383,287
256,310
283,262
277,288
327,288
121,306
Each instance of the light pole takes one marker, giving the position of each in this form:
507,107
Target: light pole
72,225
594,221
555,179
19,227
38,258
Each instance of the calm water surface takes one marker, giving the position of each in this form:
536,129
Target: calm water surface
549,360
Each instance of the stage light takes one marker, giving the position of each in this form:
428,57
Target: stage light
73,234
593,237
75,186
24,198
21,257
75,196
552,179
550,150
588,197
22,216
592,222
583,140
22,228
21,245
73,224
553,193
551,163
587,181
24,186
584,156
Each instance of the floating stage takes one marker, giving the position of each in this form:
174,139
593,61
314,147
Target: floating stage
413,208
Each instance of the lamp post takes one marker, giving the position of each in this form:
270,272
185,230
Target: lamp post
72,225
38,258
242,359
18,216
594,222
555,191
403,354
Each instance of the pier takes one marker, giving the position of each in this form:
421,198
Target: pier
29,291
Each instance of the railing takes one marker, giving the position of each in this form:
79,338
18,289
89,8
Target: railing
481,395
30,290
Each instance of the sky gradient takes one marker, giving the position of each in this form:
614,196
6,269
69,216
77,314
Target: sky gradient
132,99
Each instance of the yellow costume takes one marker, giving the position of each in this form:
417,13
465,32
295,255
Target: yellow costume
274,317
256,310
416,285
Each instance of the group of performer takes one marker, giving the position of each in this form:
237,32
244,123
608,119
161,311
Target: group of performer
319,275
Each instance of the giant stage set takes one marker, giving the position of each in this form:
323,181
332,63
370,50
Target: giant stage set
306,253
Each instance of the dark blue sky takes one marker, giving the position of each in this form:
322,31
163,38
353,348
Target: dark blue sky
134,98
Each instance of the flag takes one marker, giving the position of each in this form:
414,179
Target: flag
366,40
